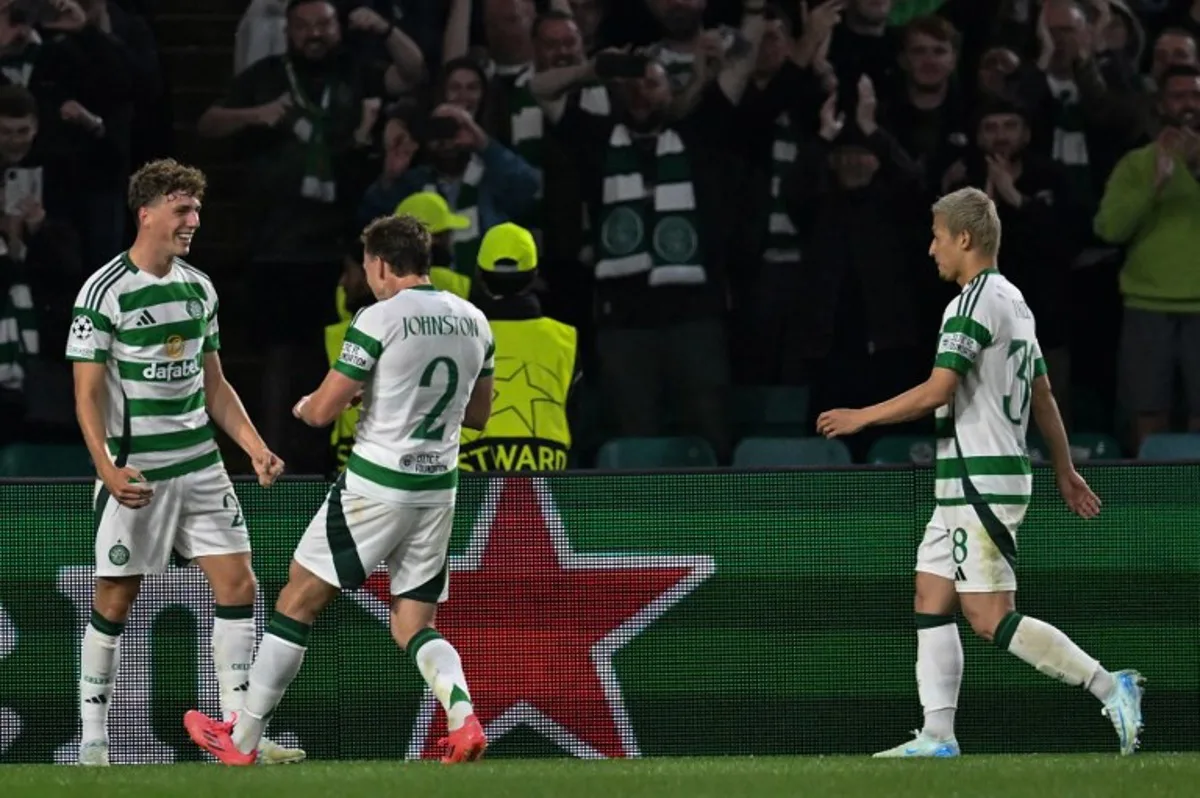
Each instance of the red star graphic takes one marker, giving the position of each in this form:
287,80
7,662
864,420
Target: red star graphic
537,624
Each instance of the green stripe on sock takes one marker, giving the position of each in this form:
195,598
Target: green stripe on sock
926,621
106,627
289,629
458,695
1006,629
233,612
426,635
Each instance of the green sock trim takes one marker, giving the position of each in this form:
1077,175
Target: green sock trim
417,641
458,695
1006,629
106,627
925,620
289,629
233,612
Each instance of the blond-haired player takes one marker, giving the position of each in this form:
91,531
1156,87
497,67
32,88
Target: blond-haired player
987,376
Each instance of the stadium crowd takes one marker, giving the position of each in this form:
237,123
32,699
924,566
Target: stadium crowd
722,194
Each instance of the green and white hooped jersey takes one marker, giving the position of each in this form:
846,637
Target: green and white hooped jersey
989,338
419,354
153,334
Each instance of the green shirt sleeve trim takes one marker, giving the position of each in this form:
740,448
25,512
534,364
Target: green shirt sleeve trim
1039,368
965,325
372,347
953,361
353,372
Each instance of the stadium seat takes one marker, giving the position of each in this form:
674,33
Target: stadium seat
45,460
770,411
768,452
1085,446
1171,446
637,453
894,449
1094,446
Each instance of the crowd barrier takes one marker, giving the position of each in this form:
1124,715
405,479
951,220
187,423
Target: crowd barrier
620,615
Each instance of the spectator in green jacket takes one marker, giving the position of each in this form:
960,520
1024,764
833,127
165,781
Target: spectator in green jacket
1152,206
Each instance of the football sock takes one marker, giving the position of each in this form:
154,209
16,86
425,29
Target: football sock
1052,652
98,661
233,654
442,669
939,672
279,658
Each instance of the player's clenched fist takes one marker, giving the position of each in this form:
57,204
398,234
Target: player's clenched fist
267,465
127,486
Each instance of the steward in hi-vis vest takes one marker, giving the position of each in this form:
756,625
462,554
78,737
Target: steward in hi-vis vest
536,363
352,294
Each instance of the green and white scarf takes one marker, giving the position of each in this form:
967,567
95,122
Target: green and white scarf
18,335
312,129
649,230
1070,138
680,65
466,241
783,243
526,121
527,127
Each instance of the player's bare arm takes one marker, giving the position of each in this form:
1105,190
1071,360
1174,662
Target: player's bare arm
226,409
332,397
1074,489
914,403
479,406
126,484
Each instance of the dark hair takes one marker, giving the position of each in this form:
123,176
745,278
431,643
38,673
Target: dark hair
456,64
162,178
994,106
401,242
551,15
772,11
935,27
504,284
294,4
16,102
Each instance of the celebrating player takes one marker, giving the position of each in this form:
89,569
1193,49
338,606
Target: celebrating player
987,375
148,379
422,361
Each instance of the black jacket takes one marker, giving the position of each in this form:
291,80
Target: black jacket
858,272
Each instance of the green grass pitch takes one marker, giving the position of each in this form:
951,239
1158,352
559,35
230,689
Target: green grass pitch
1084,776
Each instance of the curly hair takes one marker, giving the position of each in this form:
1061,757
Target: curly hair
402,242
161,179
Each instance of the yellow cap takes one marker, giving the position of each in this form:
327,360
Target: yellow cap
508,248
430,209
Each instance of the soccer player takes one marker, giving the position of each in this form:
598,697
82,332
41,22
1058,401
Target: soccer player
422,361
987,376
148,383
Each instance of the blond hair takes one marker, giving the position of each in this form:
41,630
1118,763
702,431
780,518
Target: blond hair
972,211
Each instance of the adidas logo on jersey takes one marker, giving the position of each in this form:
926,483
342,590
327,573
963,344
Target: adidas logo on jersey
171,371
145,319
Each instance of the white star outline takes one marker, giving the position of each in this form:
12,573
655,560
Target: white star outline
700,568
